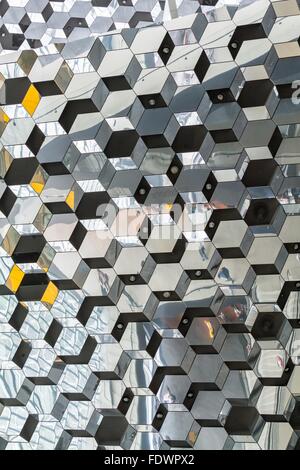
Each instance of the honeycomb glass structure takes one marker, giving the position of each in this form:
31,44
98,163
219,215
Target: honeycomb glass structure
149,224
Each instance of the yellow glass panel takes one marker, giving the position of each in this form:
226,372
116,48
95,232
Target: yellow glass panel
192,437
38,187
3,117
50,294
15,278
38,181
31,100
71,199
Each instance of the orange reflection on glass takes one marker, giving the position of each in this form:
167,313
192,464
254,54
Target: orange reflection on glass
210,328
